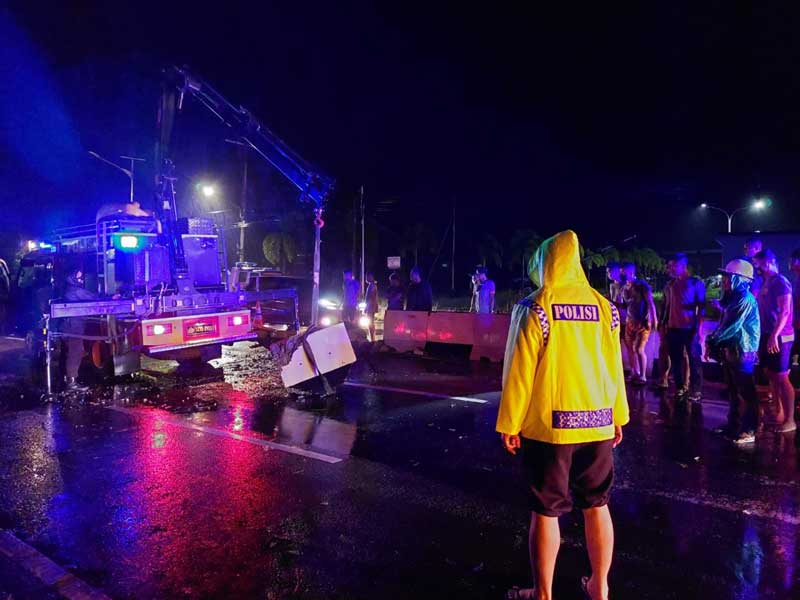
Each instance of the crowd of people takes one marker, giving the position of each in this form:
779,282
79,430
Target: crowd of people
415,296
757,332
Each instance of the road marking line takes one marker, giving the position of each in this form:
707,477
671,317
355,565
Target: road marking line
753,508
384,388
234,436
45,570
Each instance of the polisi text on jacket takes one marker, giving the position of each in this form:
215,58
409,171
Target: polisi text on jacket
576,312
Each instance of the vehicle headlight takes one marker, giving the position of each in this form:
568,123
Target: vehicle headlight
364,322
326,321
328,304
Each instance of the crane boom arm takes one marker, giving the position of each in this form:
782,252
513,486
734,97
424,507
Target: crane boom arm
313,186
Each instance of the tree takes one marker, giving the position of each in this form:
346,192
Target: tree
279,249
599,258
646,260
523,245
490,250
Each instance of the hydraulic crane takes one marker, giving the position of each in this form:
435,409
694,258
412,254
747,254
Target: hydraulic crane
314,188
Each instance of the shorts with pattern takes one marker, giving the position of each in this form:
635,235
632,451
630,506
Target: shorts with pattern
636,335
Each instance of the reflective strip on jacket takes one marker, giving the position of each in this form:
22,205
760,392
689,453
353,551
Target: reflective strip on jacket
563,381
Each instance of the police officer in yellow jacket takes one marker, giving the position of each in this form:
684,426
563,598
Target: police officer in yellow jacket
564,405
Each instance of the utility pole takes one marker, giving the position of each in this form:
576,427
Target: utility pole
243,206
362,241
453,254
353,264
318,225
243,203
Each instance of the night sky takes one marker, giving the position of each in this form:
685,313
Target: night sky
611,123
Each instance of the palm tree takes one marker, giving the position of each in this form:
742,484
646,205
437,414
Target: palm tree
279,249
599,258
490,250
523,245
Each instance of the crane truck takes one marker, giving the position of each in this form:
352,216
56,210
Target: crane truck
162,283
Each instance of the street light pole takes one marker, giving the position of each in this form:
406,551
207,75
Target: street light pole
133,160
757,205
128,172
362,241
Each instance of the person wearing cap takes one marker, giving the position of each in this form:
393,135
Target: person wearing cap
777,335
734,344
564,405
484,291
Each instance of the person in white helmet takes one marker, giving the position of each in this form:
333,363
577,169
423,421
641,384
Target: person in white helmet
734,344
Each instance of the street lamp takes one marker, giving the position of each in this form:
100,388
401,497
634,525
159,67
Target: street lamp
128,172
208,190
758,204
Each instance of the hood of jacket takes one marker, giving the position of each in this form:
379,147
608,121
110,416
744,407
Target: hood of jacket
557,262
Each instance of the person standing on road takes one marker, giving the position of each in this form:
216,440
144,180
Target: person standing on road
419,296
395,297
564,405
777,335
485,292
734,344
641,321
75,291
371,301
752,247
616,286
684,309
795,267
350,292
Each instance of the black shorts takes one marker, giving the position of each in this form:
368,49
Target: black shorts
780,361
555,469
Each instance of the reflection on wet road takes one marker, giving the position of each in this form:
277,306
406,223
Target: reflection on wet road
421,501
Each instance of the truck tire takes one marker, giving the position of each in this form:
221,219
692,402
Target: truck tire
101,359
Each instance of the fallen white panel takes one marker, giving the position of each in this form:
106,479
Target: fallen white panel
332,350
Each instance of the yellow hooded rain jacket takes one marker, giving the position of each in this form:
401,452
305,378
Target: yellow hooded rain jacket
563,381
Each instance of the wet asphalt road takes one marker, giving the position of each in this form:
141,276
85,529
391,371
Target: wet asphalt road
373,494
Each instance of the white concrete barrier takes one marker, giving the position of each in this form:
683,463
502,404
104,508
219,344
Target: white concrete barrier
485,334
490,334
405,330
452,327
